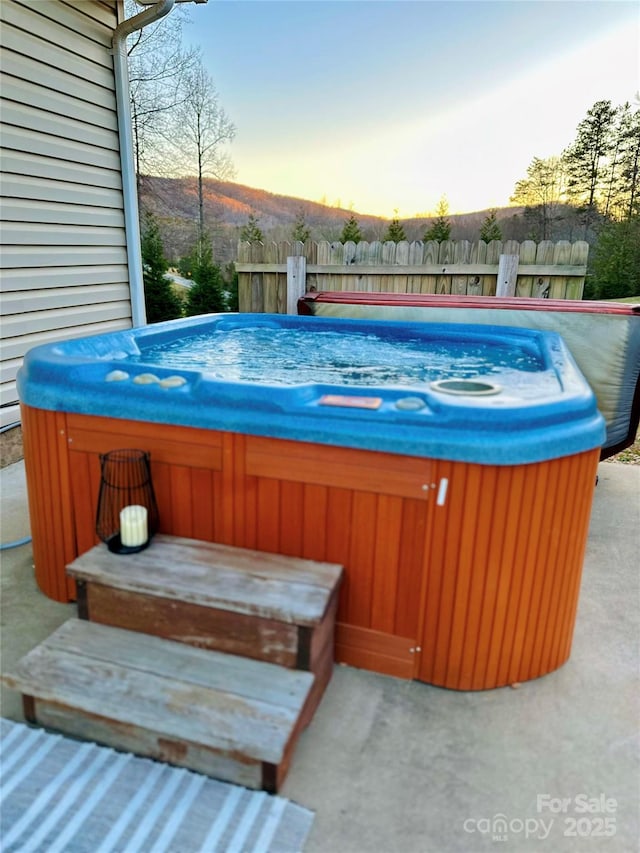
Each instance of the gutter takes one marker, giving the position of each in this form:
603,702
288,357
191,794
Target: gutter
129,190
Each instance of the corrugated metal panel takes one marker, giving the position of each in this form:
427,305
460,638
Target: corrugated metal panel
64,254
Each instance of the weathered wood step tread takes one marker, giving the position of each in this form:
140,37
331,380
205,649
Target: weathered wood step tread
218,714
273,586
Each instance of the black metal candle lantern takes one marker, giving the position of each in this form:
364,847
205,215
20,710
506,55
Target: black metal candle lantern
125,484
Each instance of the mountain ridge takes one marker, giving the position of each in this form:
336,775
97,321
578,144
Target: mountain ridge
228,205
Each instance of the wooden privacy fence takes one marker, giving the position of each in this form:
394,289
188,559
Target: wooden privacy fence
272,276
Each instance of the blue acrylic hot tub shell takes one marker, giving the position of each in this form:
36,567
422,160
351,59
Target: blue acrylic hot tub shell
558,418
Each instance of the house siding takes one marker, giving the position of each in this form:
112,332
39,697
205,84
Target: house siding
63,261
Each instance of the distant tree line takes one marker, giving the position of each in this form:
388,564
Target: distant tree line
590,191
594,183
597,180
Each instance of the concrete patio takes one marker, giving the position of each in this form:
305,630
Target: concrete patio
390,765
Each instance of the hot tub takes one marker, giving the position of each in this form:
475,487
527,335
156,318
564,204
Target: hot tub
603,337
449,468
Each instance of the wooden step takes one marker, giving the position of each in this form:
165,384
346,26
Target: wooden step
228,717
258,605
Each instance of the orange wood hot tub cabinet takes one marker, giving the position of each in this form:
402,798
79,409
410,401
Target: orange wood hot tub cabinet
477,593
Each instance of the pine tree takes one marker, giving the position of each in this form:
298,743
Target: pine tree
627,180
395,231
160,300
440,230
351,231
301,231
490,229
616,261
586,159
185,266
231,281
206,295
250,232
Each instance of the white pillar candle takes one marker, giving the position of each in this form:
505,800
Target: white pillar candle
133,526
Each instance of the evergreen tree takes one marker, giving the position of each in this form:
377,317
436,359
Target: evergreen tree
231,282
586,159
627,180
351,231
250,232
301,231
613,167
185,266
616,261
490,229
160,300
440,229
395,231
206,295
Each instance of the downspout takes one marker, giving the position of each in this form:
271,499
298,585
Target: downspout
129,189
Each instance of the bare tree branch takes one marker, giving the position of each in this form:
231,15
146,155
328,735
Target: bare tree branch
198,133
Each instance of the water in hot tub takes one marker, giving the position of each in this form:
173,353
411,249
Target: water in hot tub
292,357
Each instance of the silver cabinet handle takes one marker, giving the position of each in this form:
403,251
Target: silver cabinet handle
442,492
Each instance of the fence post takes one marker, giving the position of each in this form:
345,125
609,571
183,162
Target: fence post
296,281
507,275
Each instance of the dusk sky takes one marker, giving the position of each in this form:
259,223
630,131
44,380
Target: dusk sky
391,105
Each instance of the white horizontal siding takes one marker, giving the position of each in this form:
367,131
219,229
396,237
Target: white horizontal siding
22,280
83,40
63,242
29,70
71,16
17,348
59,143
63,297
102,11
10,411
11,365
31,322
27,210
17,186
19,234
13,257
8,371
50,168
92,118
